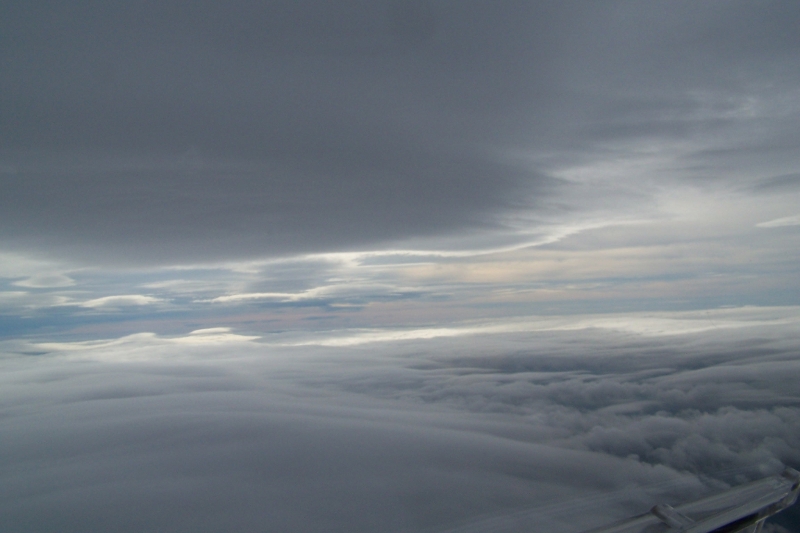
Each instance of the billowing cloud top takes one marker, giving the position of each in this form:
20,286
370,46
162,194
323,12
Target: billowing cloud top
554,426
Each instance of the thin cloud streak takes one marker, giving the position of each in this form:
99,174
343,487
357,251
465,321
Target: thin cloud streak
645,324
780,222
121,300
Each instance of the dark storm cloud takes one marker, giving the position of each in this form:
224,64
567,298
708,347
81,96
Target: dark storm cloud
254,128
556,430
185,131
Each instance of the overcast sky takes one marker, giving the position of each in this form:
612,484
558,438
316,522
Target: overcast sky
318,177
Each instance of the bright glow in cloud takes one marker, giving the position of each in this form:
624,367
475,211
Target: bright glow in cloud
646,324
122,300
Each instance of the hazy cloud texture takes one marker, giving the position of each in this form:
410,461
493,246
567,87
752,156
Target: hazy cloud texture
394,265
216,430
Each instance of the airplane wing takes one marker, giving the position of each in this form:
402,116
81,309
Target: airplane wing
740,509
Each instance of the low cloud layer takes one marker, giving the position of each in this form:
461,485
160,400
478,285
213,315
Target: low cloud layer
502,432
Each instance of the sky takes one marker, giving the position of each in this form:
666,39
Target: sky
407,265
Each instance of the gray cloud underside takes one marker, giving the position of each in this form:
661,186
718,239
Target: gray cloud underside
559,430
144,132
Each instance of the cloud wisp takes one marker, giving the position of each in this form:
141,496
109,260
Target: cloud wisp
780,222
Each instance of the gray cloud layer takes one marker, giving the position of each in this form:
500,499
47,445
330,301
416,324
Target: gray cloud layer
160,160
191,131
555,431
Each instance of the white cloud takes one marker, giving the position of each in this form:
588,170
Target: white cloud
15,265
780,222
280,296
213,335
122,300
334,290
197,345
651,324
8,296
46,281
23,302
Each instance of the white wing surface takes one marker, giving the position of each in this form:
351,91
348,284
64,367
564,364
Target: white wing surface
740,509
